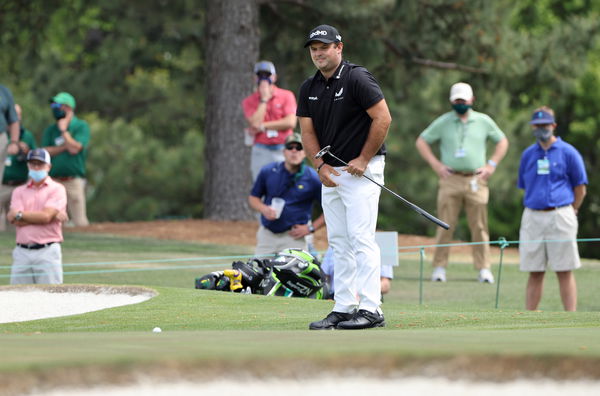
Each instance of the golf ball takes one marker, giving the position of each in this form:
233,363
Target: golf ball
156,330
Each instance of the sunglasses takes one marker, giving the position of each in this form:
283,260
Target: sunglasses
293,146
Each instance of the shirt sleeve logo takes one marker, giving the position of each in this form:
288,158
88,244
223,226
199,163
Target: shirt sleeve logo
313,98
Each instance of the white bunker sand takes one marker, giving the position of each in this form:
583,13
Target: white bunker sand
336,385
22,303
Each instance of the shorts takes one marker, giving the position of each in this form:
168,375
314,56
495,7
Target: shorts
557,229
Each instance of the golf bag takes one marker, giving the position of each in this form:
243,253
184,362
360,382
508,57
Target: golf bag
292,273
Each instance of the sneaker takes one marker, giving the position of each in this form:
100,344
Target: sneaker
485,276
331,321
363,320
439,274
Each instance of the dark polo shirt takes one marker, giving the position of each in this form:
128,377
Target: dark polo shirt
337,107
299,190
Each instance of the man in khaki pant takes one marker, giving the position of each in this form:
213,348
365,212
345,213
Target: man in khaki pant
463,175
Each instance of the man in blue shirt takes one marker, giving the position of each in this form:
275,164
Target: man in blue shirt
299,186
552,173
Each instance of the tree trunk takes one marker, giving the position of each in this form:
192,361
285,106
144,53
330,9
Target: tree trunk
232,44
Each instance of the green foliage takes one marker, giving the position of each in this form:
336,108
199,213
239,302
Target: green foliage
140,69
140,177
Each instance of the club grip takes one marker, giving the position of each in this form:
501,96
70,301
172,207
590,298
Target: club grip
435,220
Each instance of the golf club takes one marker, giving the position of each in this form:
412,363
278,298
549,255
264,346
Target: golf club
327,150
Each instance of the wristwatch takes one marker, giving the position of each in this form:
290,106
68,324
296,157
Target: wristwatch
18,216
311,228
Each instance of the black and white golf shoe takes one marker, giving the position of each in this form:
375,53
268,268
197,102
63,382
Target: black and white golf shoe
330,321
363,319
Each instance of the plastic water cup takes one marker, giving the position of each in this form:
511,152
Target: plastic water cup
248,139
278,204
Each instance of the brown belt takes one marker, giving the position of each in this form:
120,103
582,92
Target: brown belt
550,209
463,173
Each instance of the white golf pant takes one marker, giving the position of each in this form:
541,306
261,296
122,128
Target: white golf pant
351,216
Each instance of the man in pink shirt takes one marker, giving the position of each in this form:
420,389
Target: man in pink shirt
37,209
271,115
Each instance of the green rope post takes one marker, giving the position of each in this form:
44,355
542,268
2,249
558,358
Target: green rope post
503,244
422,257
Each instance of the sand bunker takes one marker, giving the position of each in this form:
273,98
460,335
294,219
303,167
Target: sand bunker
345,386
22,303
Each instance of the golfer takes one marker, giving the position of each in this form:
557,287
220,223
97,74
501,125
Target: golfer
343,106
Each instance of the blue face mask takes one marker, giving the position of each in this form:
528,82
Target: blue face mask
38,175
542,134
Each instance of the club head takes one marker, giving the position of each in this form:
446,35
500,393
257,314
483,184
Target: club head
323,151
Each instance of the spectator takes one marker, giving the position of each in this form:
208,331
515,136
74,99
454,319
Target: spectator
15,168
300,187
463,175
9,122
342,106
67,142
37,210
271,115
553,175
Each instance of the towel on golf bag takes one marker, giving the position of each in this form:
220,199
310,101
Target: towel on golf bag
292,273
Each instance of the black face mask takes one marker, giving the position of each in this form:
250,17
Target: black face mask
264,76
542,134
58,113
461,108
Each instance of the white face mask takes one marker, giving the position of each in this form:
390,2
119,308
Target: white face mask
38,175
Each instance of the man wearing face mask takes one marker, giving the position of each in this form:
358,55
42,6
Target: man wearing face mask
463,170
37,210
67,142
271,115
553,175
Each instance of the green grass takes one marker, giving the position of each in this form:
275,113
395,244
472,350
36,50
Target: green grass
457,318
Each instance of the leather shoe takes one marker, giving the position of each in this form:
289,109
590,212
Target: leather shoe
362,320
330,321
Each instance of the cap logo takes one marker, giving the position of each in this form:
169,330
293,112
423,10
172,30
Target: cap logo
540,114
318,33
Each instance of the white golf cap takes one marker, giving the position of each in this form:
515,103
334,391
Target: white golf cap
462,91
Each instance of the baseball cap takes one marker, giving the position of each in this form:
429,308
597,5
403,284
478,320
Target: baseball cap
64,98
325,34
264,66
462,91
293,138
542,117
39,154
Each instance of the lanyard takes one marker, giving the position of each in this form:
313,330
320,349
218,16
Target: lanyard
463,134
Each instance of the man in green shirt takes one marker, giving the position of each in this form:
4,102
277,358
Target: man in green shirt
463,175
67,142
15,168
9,123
